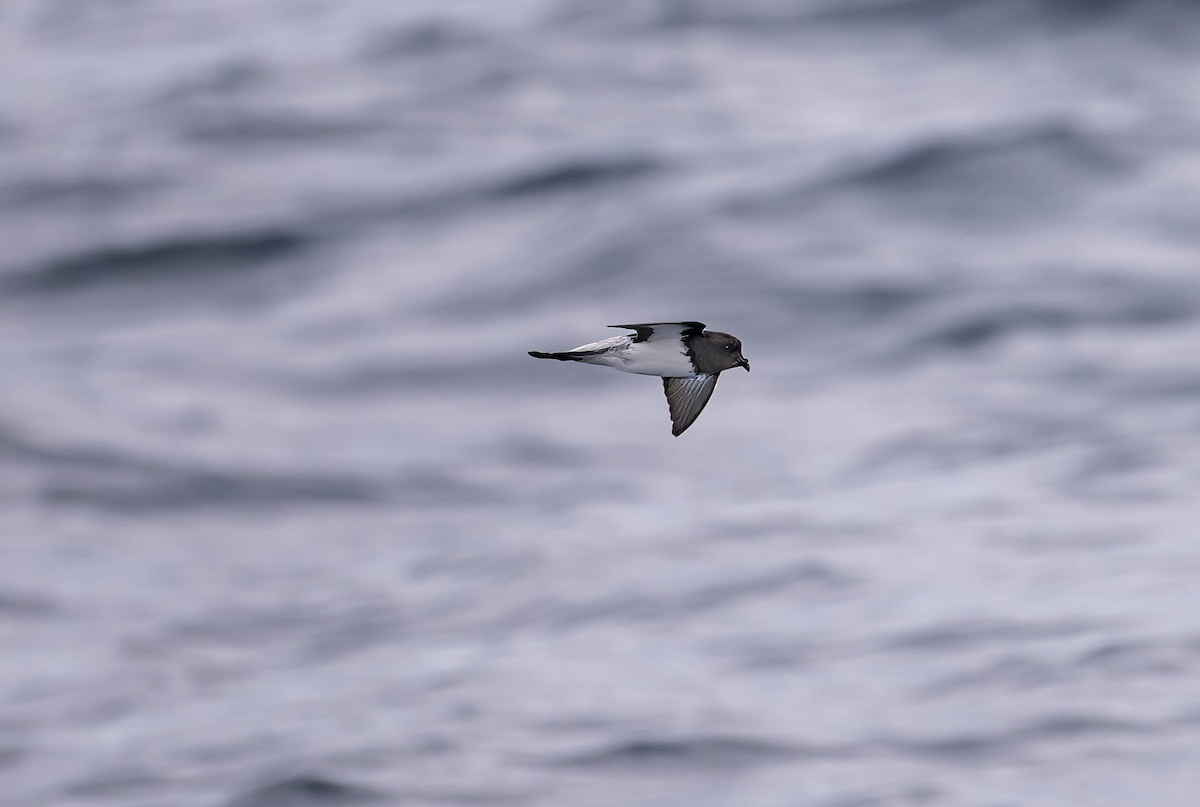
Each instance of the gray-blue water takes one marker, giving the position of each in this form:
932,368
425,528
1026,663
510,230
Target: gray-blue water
289,518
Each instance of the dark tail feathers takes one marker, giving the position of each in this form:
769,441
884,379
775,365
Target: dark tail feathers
537,354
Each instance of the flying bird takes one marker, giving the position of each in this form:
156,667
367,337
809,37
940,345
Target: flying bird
688,358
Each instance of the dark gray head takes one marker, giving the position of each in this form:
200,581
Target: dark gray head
713,351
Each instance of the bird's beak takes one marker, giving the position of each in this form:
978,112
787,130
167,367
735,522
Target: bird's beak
746,364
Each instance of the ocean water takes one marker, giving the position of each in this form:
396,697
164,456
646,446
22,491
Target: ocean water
288,517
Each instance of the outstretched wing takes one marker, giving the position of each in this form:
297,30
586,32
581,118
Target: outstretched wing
653,331
686,398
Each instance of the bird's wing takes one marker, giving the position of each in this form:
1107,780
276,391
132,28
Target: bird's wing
686,398
653,331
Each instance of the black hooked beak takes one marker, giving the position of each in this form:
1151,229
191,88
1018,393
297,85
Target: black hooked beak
745,363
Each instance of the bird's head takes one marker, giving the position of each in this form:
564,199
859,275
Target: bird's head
728,350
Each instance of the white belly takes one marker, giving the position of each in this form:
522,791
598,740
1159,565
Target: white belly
665,357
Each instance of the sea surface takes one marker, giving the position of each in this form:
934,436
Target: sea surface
288,518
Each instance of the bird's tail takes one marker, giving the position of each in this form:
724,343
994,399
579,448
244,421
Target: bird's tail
568,356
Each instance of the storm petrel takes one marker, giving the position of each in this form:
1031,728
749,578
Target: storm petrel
687,358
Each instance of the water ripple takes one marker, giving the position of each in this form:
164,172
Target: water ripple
306,790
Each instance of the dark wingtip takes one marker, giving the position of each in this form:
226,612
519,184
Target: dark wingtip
537,354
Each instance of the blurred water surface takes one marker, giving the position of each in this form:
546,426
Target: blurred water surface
288,517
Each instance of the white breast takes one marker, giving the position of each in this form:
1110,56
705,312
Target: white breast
665,357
